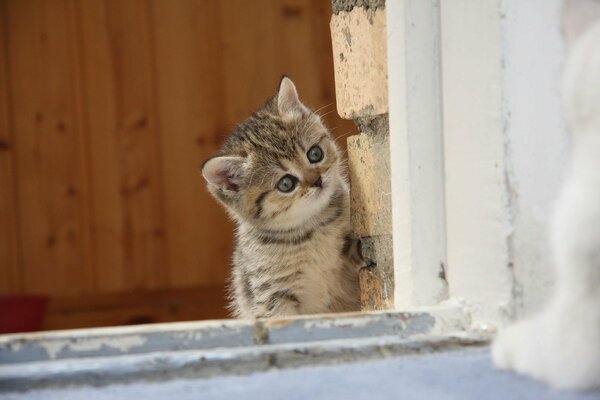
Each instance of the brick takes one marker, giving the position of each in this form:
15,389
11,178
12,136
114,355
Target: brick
360,62
370,189
372,296
377,278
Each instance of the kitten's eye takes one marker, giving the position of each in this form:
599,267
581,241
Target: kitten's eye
287,183
315,154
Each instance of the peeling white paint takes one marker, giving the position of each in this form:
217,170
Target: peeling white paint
332,322
232,325
189,335
120,343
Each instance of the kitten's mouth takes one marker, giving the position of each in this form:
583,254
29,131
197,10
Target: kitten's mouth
319,187
318,183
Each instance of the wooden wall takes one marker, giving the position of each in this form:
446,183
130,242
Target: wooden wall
107,109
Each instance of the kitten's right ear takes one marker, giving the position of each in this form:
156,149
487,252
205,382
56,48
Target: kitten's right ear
227,173
288,102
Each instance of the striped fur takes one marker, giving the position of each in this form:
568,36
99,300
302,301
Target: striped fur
295,253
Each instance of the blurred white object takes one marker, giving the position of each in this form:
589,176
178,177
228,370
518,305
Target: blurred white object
561,345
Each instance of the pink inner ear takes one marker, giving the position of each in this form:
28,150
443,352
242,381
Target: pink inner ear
226,179
230,185
225,172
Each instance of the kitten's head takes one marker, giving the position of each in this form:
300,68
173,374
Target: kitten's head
279,168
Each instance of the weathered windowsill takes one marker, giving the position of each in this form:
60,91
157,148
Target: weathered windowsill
160,352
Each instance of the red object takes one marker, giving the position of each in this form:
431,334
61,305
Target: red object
22,313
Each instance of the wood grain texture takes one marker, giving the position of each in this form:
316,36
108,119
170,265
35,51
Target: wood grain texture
47,146
190,304
121,120
191,128
292,38
9,267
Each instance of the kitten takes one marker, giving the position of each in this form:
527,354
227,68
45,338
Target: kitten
279,176
561,346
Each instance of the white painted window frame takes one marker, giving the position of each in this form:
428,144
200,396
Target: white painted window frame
450,202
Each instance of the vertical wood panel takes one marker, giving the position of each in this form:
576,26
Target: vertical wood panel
249,56
294,51
291,38
256,54
128,221
47,147
190,108
10,281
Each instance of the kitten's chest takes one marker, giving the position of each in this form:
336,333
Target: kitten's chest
321,264
316,265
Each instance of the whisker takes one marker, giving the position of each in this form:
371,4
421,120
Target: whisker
341,135
320,108
324,114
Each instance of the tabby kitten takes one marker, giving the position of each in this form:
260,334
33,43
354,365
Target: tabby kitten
280,178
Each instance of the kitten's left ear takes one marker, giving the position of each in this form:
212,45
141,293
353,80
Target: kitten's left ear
288,103
227,173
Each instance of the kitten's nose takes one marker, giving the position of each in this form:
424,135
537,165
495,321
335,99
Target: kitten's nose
318,183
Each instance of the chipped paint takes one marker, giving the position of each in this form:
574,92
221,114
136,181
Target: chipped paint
359,326
131,340
120,343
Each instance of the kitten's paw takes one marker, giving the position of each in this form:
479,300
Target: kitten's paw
559,347
511,347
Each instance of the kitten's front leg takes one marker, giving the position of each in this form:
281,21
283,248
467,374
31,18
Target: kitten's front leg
516,347
558,346
352,251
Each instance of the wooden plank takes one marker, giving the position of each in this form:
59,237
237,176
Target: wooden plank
191,127
9,264
45,125
131,308
248,44
128,229
292,38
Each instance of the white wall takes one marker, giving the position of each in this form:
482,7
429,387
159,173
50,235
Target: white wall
537,141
